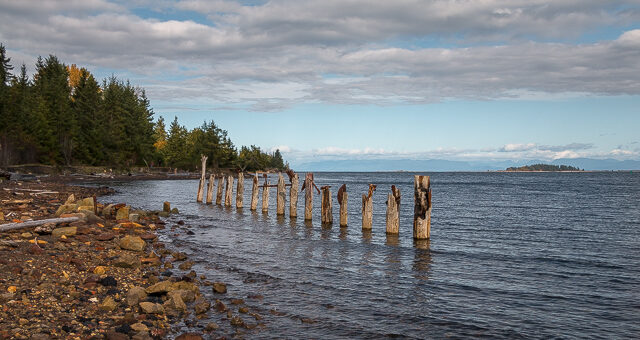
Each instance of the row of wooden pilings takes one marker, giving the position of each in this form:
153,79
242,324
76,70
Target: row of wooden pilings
422,200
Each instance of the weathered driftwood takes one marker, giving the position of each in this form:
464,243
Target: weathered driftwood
27,224
240,191
393,206
229,193
203,158
342,200
293,195
280,196
326,206
210,189
265,195
308,196
367,208
422,208
254,193
219,190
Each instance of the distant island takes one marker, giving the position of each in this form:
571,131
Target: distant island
544,167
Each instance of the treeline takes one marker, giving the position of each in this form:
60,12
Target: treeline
544,167
63,116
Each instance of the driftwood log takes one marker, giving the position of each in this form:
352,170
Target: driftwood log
280,196
422,208
27,224
293,194
240,191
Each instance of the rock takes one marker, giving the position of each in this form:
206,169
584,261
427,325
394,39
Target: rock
71,199
135,295
189,336
90,217
175,211
86,202
139,327
108,210
186,265
44,229
237,301
186,286
127,261
134,243
211,326
237,321
185,294
219,306
162,287
108,304
85,208
66,231
65,208
166,207
134,217
178,256
123,213
108,281
1,216
175,301
202,306
108,236
116,336
148,236
243,310
26,235
219,287
151,308
99,270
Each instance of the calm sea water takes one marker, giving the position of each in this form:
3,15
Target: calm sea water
511,255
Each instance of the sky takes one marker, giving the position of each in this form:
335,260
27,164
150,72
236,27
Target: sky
365,79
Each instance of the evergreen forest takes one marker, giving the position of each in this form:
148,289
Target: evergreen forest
62,115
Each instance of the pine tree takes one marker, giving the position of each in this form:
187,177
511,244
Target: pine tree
86,105
5,120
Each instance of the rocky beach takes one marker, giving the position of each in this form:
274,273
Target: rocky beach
104,275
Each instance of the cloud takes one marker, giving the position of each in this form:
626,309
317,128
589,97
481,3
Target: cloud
276,54
517,147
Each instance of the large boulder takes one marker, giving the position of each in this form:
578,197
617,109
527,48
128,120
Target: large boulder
65,209
161,287
134,243
123,213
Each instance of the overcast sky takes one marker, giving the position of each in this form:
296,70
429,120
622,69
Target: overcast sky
490,79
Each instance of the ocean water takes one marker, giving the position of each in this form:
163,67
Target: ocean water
511,255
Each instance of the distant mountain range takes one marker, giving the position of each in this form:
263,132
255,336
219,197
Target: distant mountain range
447,165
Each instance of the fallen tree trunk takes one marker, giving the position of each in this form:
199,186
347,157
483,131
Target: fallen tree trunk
11,226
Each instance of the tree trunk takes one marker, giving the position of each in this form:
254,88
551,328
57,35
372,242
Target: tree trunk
240,191
326,206
254,193
219,190
229,192
293,196
422,208
212,178
281,196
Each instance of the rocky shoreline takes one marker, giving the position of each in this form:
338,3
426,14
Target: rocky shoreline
104,276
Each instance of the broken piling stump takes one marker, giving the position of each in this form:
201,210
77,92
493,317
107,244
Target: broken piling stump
422,208
229,192
326,206
367,208
265,195
203,158
393,206
308,196
219,190
293,195
254,193
240,191
210,189
342,201
281,196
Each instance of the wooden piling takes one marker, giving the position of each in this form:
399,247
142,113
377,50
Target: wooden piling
203,158
393,206
254,193
367,208
240,191
326,206
308,197
229,193
293,196
281,196
265,195
219,190
422,208
210,189
342,201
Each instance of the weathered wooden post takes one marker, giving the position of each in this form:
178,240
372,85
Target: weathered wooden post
308,196
203,158
229,192
265,195
342,201
422,208
219,190
367,208
210,189
254,192
240,191
281,196
293,194
326,206
393,206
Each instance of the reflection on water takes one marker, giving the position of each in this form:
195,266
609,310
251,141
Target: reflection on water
422,259
392,240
